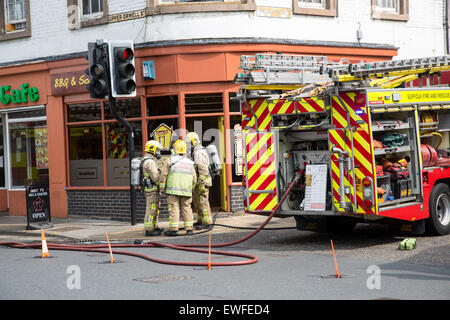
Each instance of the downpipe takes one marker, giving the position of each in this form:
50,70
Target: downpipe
250,259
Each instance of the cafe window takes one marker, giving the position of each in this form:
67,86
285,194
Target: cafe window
166,105
14,19
86,155
117,157
98,144
27,147
204,103
129,108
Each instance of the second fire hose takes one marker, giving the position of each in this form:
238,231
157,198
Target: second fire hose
184,247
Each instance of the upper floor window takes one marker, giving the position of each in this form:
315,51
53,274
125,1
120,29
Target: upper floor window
14,19
315,7
387,5
390,9
181,6
312,3
86,13
92,8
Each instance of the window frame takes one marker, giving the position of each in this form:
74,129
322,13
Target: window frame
401,15
154,7
4,35
330,9
103,122
88,20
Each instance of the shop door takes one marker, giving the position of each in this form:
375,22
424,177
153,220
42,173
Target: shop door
210,130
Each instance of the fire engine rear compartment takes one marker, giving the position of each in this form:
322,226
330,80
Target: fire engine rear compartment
396,137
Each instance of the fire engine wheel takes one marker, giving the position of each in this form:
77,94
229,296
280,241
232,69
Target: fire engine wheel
439,221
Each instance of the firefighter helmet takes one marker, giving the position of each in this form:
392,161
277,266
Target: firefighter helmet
195,140
152,147
179,147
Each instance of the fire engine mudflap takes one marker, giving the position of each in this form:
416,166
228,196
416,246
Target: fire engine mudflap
363,153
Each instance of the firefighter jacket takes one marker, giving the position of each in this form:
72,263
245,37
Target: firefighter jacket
151,173
201,161
178,176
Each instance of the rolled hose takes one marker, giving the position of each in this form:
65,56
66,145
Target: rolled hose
184,247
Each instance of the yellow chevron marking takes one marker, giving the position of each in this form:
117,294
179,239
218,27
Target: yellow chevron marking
259,143
366,163
260,161
269,170
271,204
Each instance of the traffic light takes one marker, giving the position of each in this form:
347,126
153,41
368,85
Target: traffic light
121,57
98,71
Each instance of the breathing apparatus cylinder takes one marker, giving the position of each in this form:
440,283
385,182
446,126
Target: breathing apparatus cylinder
135,171
215,164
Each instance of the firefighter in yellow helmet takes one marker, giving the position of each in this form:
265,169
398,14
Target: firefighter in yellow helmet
151,174
200,196
177,181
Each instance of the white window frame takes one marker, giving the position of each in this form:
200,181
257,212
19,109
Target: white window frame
91,15
7,147
310,4
7,5
385,8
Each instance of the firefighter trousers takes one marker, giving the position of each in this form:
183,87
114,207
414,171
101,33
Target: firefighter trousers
201,206
176,205
151,211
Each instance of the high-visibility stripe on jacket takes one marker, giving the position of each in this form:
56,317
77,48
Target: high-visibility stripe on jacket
181,177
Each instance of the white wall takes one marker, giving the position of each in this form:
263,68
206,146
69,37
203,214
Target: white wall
422,35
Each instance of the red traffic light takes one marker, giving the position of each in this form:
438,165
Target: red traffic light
124,54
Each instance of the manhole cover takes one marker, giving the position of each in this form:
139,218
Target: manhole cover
164,278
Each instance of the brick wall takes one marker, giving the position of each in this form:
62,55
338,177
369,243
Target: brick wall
236,198
108,204
115,204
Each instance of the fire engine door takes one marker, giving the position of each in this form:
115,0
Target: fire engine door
260,171
342,169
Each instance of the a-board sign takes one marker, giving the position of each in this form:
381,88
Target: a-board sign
38,206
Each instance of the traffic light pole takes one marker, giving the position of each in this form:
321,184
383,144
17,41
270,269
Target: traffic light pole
130,151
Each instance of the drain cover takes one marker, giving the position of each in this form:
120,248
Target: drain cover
164,278
334,276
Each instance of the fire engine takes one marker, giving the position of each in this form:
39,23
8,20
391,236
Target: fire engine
368,142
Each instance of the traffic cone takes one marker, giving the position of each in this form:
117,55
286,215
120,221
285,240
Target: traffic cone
44,245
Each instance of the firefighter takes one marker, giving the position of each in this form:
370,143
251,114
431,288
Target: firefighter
177,181
151,174
201,191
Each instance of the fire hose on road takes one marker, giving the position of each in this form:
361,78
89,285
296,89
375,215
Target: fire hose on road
250,259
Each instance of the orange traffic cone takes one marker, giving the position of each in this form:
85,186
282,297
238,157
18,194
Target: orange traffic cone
44,245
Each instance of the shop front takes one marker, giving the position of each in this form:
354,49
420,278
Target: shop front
53,132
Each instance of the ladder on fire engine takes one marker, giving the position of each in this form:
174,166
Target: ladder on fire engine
267,69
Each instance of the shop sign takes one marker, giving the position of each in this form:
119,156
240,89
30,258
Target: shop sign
163,134
16,96
69,82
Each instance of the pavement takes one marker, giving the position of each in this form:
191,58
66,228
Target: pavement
82,229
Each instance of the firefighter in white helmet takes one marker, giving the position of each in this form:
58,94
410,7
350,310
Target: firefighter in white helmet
151,174
201,191
177,181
